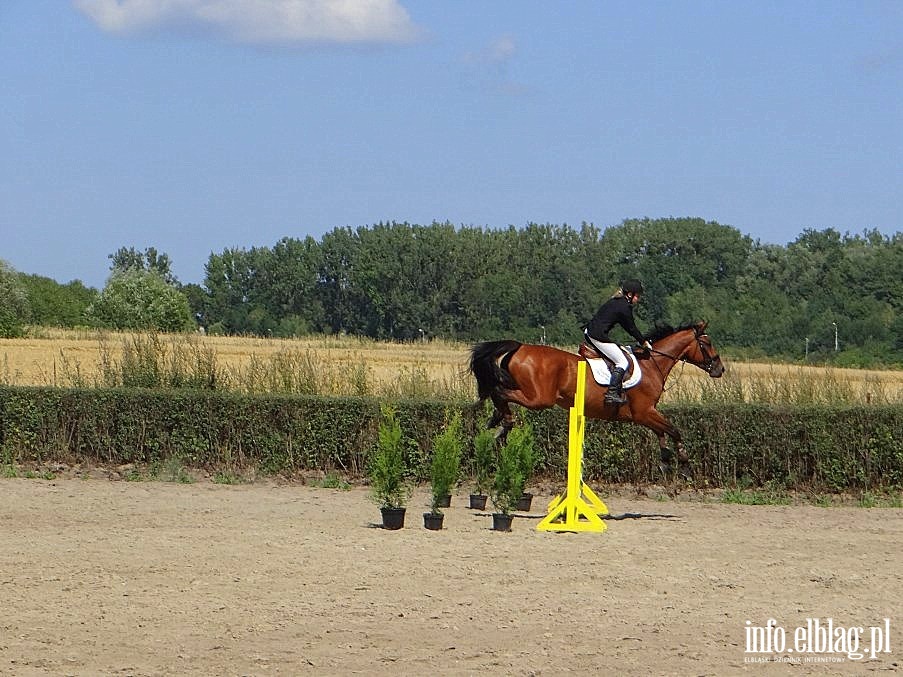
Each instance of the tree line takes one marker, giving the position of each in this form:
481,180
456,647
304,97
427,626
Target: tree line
401,281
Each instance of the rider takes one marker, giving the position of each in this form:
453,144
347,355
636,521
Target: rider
618,310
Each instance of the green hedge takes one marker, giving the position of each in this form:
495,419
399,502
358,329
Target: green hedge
824,448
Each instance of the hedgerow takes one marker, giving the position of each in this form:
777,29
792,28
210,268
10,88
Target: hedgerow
824,448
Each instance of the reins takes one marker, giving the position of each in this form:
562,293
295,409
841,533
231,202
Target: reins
665,387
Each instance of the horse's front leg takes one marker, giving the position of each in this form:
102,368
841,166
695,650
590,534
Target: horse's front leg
665,455
683,461
663,430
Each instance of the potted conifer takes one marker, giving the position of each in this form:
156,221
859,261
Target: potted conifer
388,484
483,453
508,483
444,470
527,456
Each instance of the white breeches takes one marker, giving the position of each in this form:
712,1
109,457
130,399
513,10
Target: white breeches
611,351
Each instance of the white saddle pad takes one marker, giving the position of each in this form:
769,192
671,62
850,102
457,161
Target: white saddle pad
602,375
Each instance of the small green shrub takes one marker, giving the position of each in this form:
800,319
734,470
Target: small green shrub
508,485
822,501
867,500
332,480
174,470
524,442
445,466
228,477
768,495
389,487
483,461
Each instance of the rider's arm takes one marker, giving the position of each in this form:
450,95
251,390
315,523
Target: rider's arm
630,326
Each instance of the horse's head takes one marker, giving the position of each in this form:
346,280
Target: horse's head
688,343
701,353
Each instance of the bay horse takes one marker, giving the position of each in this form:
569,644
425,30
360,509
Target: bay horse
540,377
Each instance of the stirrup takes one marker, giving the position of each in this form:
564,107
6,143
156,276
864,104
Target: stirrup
613,397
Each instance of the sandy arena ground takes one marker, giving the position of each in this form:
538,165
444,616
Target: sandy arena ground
121,578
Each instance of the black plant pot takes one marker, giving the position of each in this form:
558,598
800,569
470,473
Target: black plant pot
478,501
393,518
525,501
444,501
433,520
501,521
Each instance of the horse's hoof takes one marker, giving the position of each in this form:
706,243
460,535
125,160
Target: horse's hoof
666,469
685,472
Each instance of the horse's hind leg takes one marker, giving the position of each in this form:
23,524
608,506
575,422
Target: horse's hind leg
503,416
496,419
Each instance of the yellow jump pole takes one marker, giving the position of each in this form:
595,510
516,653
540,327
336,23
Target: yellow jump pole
579,508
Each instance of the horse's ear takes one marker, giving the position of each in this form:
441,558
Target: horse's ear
701,325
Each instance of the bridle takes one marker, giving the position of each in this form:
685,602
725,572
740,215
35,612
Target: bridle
708,360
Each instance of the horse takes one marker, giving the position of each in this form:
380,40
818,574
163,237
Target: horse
539,377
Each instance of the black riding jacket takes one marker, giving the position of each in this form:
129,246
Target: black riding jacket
616,310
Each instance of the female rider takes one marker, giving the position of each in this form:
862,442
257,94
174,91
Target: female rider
618,310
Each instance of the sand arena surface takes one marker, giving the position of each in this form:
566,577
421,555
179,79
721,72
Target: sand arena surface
121,578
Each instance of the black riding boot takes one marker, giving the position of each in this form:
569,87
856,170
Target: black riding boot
615,395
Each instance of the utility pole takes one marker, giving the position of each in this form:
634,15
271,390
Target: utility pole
835,337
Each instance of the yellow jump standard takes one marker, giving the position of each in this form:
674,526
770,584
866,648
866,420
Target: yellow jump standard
579,508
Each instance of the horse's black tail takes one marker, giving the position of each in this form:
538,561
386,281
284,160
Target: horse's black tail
491,376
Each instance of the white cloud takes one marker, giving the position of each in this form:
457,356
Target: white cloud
502,48
285,22
489,67
499,51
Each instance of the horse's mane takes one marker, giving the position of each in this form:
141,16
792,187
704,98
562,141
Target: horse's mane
660,331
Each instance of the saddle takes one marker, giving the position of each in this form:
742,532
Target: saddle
601,366
589,352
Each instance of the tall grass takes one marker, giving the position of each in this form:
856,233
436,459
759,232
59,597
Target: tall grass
356,366
788,385
152,360
288,371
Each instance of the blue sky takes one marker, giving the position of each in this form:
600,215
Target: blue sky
197,125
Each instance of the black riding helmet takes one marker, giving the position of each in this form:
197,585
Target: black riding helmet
633,287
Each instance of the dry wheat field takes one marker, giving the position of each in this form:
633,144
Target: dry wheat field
351,365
